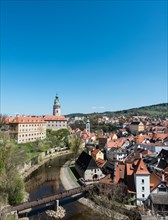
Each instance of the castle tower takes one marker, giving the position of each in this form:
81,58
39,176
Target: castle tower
56,106
88,126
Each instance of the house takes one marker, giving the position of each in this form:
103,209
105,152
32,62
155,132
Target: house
102,142
96,154
113,137
119,172
117,144
116,154
159,162
26,128
158,203
142,181
136,126
55,122
158,198
141,139
137,178
87,168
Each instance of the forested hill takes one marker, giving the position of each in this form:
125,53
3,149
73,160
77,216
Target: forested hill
152,110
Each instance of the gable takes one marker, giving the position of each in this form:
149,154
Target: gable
85,161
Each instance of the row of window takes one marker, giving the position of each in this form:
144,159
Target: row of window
29,139
56,122
33,134
30,125
31,129
56,126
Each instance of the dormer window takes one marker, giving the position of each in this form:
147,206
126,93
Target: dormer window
162,188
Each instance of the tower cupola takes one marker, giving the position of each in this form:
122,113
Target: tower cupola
56,106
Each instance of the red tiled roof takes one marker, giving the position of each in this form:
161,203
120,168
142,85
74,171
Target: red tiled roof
95,151
141,167
100,162
160,136
154,181
120,171
117,143
54,118
84,136
130,178
24,119
141,138
92,135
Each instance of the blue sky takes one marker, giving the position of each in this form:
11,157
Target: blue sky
97,55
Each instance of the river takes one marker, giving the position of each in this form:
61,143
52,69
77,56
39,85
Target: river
46,181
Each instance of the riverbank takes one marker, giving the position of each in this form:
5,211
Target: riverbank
27,172
69,181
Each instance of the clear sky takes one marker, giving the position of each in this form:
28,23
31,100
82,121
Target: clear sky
97,55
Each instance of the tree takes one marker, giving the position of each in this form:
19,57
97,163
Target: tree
11,184
58,137
75,144
2,120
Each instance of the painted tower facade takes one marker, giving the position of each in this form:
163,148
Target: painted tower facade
88,126
56,106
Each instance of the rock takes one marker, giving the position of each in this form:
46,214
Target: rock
60,213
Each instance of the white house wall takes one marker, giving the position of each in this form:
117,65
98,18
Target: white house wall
142,183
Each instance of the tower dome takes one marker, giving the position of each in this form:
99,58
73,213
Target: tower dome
56,106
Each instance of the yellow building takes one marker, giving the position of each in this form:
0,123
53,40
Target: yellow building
26,129
54,122
97,154
136,126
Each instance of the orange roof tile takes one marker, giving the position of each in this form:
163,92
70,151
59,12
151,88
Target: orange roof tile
154,181
95,151
54,118
92,135
120,171
100,162
24,119
160,136
141,167
117,143
141,138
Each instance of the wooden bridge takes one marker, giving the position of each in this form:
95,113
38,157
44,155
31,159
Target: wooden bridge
44,201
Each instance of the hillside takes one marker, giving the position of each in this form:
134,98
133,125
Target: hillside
152,110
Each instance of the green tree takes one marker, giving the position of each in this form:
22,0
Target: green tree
58,138
75,144
11,184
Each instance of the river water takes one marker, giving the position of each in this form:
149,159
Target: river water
46,181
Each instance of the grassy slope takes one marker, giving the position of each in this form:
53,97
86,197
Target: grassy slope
159,109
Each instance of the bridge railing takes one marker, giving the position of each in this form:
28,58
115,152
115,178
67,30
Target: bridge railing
48,199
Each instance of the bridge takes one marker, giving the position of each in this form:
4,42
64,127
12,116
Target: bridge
43,201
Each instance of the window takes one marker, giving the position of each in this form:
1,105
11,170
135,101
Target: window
142,181
143,188
162,188
143,195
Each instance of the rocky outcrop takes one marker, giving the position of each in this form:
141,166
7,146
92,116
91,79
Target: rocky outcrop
59,214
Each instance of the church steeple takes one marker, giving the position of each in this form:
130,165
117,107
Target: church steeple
56,106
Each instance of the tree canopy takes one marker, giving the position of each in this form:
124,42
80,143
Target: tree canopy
11,184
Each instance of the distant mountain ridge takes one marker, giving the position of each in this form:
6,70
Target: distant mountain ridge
151,110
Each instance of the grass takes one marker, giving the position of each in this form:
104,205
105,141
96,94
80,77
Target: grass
10,217
28,151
